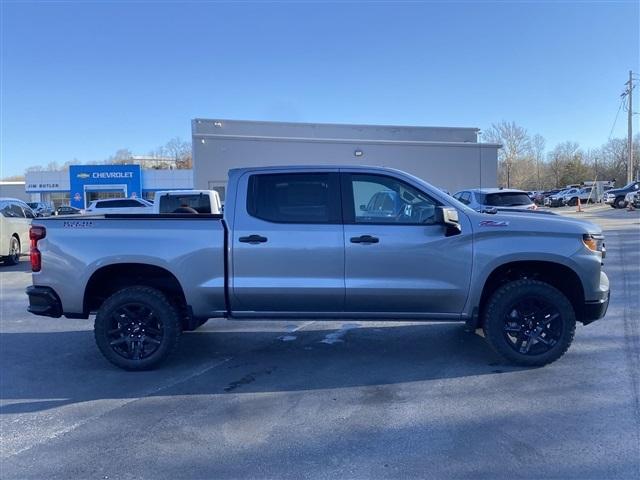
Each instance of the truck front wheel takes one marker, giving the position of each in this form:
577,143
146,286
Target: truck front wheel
529,322
136,328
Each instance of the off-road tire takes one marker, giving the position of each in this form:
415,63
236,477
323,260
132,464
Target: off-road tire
164,313
499,306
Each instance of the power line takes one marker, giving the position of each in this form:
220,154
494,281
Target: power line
616,119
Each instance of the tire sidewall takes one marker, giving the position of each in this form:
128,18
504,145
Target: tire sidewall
503,300
13,259
162,309
620,203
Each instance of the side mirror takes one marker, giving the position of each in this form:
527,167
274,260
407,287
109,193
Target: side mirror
448,217
363,208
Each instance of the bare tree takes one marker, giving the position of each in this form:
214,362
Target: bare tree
515,145
180,151
13,178
538,145
121,157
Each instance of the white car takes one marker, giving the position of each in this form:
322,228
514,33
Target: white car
482,199
15,220
632,198
119,205
187,201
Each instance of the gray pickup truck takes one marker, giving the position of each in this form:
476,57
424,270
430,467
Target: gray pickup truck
363,243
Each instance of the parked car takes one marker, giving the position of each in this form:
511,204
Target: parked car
615,196
41,209
532,194
557,200
67,210
294,243
633,198
181,201
481,199
119,205
15,219
540,197
584,194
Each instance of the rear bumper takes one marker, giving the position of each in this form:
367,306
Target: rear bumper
43,301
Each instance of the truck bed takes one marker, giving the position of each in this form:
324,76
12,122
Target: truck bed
190,247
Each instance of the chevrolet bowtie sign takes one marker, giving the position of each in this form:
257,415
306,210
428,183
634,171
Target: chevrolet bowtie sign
85,175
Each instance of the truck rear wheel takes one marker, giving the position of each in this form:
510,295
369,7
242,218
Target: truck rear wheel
136,328
529,322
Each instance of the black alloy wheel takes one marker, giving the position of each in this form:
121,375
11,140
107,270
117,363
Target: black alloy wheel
532,326
137,328
529,322
135,332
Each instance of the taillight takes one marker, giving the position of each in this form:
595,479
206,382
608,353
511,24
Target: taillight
36,233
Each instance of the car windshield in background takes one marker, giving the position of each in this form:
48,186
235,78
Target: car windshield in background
506,199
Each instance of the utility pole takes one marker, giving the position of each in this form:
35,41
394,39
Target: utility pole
630,128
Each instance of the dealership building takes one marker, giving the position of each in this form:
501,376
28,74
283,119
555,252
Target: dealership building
82,184
449,158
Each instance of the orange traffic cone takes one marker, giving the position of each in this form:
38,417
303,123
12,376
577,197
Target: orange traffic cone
579,206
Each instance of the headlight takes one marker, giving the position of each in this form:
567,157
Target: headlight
594,242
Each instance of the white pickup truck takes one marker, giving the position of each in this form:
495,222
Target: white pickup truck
187,201
327,243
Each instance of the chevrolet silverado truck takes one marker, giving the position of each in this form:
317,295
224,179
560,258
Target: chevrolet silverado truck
363,243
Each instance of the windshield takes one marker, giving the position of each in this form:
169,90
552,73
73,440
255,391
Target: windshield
505,199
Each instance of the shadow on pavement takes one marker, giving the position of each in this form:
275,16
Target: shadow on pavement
47,370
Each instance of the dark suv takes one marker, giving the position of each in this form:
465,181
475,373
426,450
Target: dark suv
615,197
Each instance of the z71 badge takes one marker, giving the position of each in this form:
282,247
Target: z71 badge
494,223
77,224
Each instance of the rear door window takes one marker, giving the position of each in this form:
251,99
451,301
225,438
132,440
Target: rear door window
294,197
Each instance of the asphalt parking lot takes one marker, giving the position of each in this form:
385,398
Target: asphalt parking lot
326,400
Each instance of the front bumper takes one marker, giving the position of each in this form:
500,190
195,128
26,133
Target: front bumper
596,309
609,200
43,301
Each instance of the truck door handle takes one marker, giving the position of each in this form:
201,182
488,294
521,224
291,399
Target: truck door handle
365,239
253,239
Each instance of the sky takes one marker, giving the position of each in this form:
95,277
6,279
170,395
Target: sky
80,80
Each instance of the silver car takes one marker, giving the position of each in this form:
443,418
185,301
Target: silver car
486,199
